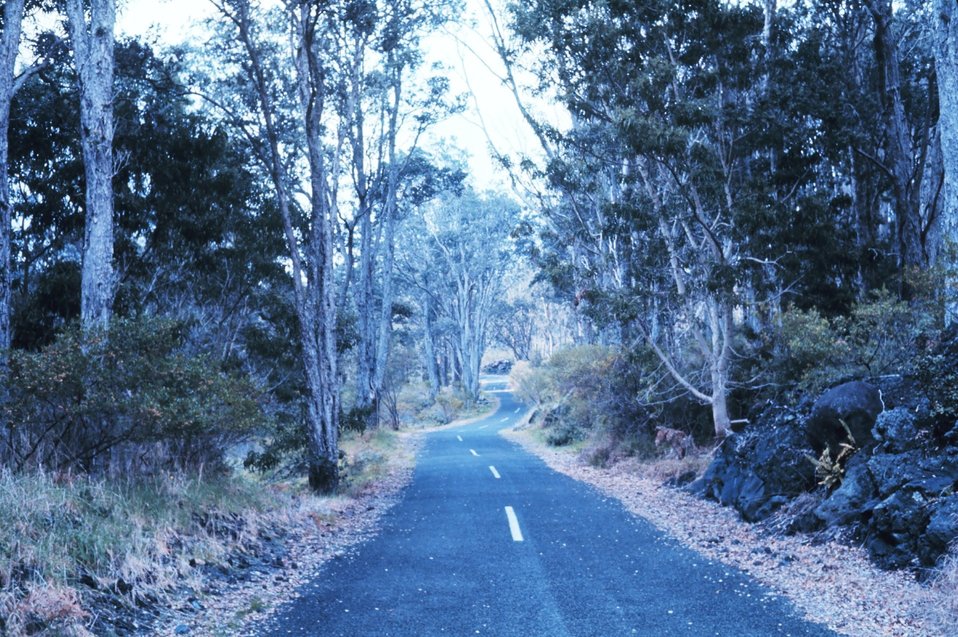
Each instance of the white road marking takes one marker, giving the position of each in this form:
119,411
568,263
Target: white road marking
473,452
495,474
460,438
483,427
504,419
514,525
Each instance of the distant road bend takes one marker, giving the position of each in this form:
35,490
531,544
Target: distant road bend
488,540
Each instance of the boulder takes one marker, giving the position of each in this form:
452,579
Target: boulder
896,430
759,470
896,525
856,404
941,532
854,499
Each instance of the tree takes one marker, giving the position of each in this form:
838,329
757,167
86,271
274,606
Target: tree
905,158
92,40
946,61
311,252
386,103
9,49
470,255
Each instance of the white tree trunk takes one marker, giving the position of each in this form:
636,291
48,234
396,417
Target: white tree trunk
947,69
93,42
9,45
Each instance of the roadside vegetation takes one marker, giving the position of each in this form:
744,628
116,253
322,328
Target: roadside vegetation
187,479
615,410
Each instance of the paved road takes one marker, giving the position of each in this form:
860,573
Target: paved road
561,561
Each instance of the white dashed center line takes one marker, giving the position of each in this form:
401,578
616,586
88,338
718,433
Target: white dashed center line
504,419
513,525
495,474
517,410
459,438
483,427
473,452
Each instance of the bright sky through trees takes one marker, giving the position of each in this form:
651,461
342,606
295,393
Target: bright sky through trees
463,49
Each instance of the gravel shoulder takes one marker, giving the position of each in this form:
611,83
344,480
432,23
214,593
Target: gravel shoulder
831,583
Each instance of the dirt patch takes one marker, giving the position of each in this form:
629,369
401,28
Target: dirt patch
831,583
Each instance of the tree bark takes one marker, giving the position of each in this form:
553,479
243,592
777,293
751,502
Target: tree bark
311,77
899,150
313,291
93,43
9,46
389,231
946,63
429,348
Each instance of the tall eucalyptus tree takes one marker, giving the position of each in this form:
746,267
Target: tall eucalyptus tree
9,49
92,38
310,251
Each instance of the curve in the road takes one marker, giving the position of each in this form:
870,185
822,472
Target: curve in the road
488,540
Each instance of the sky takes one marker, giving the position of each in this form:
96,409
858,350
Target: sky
463,48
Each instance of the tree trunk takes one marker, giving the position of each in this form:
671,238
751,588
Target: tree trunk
389,232
365,353
311,77
93,44
946,60
314,293
899,151
9,46
429,348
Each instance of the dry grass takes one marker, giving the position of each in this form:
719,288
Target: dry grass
62,538
671,469
944,586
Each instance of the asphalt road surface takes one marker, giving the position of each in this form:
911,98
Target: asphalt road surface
488,540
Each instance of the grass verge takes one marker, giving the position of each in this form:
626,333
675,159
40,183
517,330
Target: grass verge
80,556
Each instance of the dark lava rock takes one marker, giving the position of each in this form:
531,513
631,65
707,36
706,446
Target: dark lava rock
854,499
941,531
857,404
896,430
895,527
759,470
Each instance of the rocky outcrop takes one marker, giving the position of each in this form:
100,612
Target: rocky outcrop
900,505
898,495
855,406
760,469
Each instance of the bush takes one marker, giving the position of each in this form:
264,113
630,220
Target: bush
127,401
532,385
878,337
605,394
936,370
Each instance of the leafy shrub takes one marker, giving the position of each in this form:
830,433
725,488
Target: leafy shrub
610,395
878,337
449,404
532,385
936,370
127,401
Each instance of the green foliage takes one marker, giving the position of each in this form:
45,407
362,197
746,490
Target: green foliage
129,401
937,374
877,337
607,395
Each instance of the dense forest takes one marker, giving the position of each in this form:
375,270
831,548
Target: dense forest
220,255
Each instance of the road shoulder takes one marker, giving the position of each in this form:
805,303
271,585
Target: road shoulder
829,583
